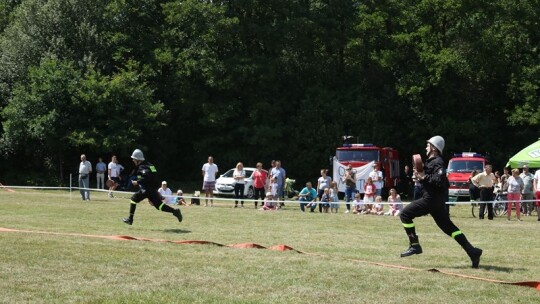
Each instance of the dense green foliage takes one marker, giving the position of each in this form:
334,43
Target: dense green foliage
259,80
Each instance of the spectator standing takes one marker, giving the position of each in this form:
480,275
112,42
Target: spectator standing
485,181
308,196
85,168
334,205
148,188
322,183
349,178
474,192
536,186
406,183
515,186
166,193
209,173
101,168
259,183
369,194
377,177
527,195
114,171
504,183
325,200
239,175
280,175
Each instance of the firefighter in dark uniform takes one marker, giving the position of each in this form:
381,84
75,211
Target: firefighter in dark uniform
148,188
434,183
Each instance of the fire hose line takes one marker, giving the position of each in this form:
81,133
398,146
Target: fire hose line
533,284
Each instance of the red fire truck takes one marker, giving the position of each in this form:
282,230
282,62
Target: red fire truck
459,170
359,155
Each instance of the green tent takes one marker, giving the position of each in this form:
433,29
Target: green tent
529,156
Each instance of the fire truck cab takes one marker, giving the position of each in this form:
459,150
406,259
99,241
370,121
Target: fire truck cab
459,170
358,155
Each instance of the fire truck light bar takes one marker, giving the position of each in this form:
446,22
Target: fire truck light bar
468,154
358,145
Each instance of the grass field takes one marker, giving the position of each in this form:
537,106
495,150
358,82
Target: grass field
64,268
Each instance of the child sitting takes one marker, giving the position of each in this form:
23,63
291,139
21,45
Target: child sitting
378,208
358,204
325,200
395,203
180,198
269,203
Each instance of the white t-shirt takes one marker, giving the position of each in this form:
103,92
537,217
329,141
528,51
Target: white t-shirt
115,169
167,194
537,179
210,171
375,175
238,173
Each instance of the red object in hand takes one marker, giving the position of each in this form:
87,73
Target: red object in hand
417,163
109,183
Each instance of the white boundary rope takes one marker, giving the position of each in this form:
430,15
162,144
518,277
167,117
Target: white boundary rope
203,198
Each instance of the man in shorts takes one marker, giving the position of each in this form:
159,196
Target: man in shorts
209,173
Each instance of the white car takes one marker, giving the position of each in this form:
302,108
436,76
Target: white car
225,183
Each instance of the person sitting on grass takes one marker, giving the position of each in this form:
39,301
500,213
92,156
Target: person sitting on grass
395,203
269,203
180,198
378,208
358,204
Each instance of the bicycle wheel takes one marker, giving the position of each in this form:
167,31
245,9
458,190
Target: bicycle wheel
499,209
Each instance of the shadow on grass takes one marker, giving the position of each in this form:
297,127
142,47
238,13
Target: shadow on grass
178,231
493,268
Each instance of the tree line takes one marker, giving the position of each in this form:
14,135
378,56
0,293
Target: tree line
255,80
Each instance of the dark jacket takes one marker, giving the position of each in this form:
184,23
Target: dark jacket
147,176
435,183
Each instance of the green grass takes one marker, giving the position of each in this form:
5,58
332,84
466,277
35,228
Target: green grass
46,268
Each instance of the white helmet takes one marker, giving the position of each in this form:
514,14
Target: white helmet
137,154
438,142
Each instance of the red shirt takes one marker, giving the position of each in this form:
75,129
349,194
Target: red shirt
369,189
259,178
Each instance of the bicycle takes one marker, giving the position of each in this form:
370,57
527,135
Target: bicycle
499,208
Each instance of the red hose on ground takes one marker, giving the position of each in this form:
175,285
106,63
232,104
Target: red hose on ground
533,284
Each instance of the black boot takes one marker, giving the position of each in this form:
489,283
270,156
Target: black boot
475,254
178,214
414,245
413,249
127,220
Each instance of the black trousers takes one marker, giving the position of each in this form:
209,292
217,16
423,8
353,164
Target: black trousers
239,193
424,206
259,193
486,195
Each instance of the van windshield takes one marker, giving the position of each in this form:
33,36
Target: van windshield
357,155
465,166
